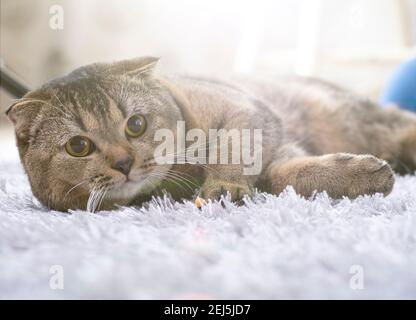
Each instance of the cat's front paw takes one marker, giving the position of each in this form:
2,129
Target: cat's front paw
215,189
368,174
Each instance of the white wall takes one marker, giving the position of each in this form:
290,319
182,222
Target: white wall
208,36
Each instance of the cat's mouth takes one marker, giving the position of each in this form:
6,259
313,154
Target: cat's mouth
132,184
141,174
131,181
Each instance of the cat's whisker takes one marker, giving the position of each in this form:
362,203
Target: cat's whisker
167,178
154,164
191,184
185,180
96,198
191,177
95,194
106,188
90,202
153,181
180,179
174,173
74,187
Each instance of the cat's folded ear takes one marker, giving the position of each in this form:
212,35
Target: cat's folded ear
136,67
22,113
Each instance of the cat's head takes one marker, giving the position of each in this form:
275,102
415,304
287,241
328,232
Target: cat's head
92,132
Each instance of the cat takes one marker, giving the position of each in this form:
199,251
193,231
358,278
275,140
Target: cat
87,140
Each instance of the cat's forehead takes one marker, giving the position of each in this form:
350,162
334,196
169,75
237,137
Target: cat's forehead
89,99
93,103
86,103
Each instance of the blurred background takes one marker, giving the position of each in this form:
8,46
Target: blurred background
353,43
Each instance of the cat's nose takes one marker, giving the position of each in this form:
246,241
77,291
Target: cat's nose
123,165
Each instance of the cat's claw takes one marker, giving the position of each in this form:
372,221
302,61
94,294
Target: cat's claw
199,202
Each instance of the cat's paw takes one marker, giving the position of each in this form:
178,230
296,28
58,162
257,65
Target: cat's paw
215,189
367,174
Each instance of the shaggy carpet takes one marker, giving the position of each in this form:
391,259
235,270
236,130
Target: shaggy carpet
271,248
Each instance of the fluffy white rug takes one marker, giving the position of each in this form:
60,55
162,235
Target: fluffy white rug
273,247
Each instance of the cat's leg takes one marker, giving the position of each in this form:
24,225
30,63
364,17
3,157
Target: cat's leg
340,174
404,161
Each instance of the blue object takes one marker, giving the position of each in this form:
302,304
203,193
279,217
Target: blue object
401,89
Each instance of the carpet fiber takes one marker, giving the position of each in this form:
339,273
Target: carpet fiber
273,247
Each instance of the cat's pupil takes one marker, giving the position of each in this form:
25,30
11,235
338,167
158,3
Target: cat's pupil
134,124
78,144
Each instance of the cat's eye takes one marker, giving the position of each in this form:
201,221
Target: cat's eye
79,146
135,126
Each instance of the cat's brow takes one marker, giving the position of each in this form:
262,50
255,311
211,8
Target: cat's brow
115,110
94,107
78,117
